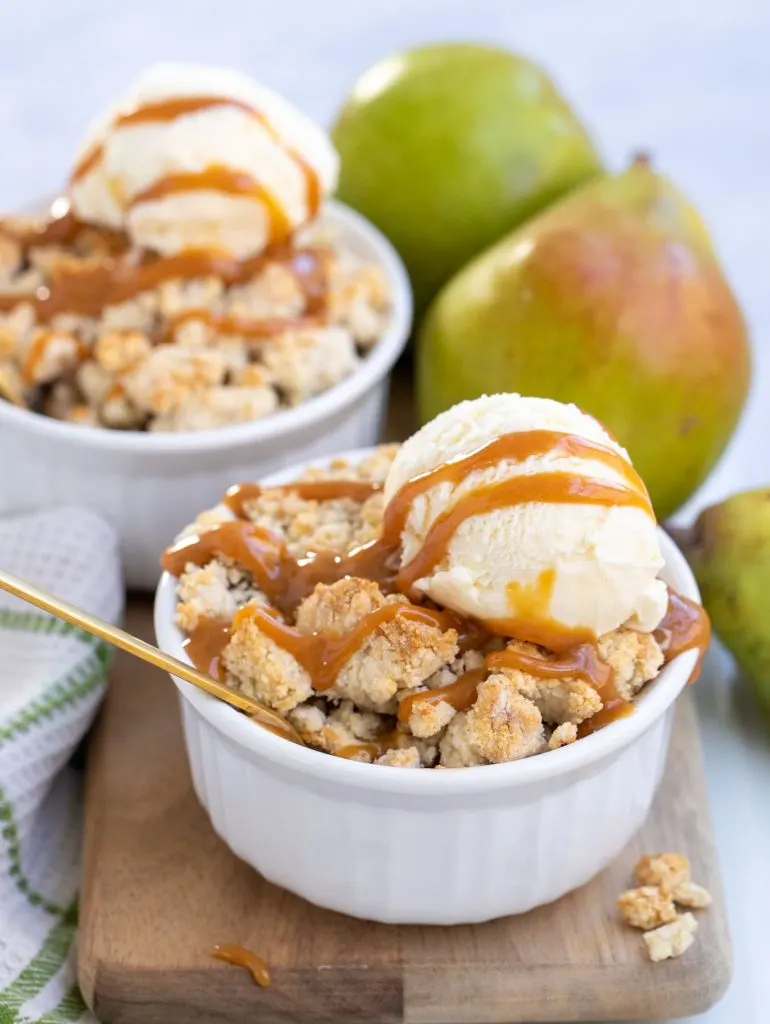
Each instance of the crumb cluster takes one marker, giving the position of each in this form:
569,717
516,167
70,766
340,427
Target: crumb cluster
663,886
187,353
513,714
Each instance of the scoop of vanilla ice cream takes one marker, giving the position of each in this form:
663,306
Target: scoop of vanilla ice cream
605,560
134,157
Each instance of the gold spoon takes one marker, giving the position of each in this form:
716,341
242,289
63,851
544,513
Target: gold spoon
256,710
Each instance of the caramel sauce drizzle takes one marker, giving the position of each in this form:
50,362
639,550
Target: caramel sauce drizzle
376,748
461,694
58,229
324,655
685,626
238,956
240,495
204,646
165,111
218,178
611,712
517,447
539,487
561,488
87,290
286,580
579,662
252,330
35,354
532,621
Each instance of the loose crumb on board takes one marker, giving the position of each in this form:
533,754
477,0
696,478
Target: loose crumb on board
671,940
240,957
663,886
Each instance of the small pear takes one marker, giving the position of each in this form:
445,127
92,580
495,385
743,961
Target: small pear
729,551
447,147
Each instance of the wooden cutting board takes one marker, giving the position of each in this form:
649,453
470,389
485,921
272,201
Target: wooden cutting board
160,889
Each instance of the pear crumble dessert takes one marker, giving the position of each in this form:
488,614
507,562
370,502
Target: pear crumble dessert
189,278
354,602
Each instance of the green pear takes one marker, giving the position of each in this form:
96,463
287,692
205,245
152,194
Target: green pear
612,299
729,551
448,147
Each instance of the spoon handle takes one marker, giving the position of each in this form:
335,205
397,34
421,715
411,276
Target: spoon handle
120,638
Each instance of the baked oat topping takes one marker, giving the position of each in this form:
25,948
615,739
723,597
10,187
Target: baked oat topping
664,886
418,687
671,940
132,340
666,870
646,907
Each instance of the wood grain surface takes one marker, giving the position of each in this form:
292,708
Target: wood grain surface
160,889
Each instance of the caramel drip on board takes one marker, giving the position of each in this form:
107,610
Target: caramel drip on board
238,956
85,291
684,627
165,111
218,178
238,496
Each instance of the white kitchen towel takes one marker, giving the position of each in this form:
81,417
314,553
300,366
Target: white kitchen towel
52,678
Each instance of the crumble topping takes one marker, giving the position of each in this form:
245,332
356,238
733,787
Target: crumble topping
558,700
406,757
671,940
361,715
646,907
213,591
664,885
666,870
337,525
182,353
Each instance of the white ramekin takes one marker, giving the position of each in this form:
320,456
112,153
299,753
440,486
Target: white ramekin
413,846
147,484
